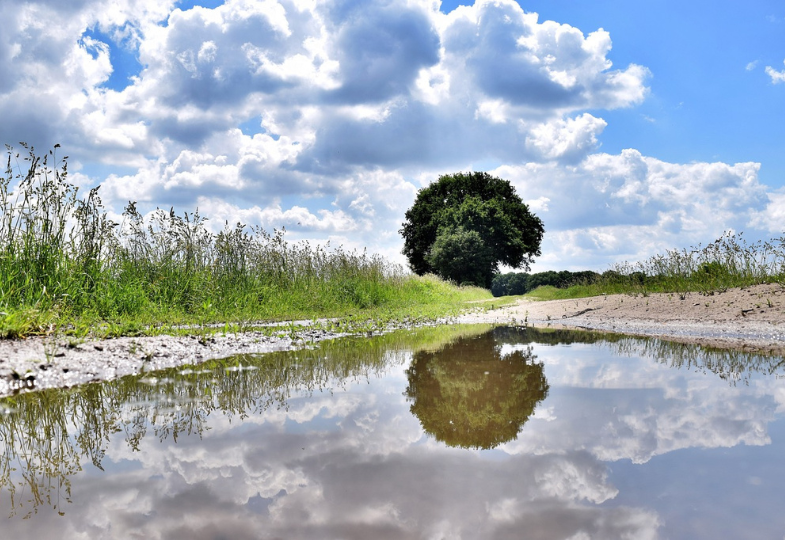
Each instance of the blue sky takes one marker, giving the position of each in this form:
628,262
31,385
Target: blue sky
629,127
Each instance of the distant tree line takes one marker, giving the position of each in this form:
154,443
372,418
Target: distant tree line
522,282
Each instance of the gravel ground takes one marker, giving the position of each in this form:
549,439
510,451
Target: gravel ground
39,363
751,319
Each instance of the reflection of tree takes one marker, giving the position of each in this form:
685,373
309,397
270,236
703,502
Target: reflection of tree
469,395
730,365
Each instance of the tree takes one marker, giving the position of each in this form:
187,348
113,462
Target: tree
451,214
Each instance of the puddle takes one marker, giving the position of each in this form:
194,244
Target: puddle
448,432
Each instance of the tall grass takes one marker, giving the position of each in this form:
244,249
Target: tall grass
63,258
730,261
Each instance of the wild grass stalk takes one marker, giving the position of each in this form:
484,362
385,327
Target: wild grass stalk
730,261
62,256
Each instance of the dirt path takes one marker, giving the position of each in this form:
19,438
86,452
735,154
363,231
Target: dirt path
751,319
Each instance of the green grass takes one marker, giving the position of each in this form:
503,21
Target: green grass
65,265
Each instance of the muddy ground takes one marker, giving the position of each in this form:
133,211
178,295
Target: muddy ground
752,319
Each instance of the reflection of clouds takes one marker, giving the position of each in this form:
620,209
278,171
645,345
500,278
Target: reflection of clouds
543,523
779,396
575,478
352,462
632,408
342,466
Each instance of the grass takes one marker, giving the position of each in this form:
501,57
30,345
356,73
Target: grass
66,266
728,262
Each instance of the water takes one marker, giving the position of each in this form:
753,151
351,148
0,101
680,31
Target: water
453,432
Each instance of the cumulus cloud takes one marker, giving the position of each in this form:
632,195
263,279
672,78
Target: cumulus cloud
296,217
566,139
508,55
776,76
342,109
772,217
627,206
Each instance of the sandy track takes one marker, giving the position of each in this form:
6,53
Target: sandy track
751,319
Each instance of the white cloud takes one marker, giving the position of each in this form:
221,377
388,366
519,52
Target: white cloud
542,68
296,217
627,206
351,105
772,217
566,139
776,76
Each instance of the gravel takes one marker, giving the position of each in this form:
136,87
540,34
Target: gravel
39,363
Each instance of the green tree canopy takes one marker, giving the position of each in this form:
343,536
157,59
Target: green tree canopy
464,225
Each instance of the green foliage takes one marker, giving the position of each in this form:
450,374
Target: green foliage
63,261
461,255
457,204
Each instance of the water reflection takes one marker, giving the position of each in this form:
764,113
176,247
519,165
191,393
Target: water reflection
468,395
731,365
321,443
45,436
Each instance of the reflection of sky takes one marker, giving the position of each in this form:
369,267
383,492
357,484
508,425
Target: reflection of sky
621,448
627,408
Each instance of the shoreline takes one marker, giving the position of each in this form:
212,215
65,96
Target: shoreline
750,319
50,362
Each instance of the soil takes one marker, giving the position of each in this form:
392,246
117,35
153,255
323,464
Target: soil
751,319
